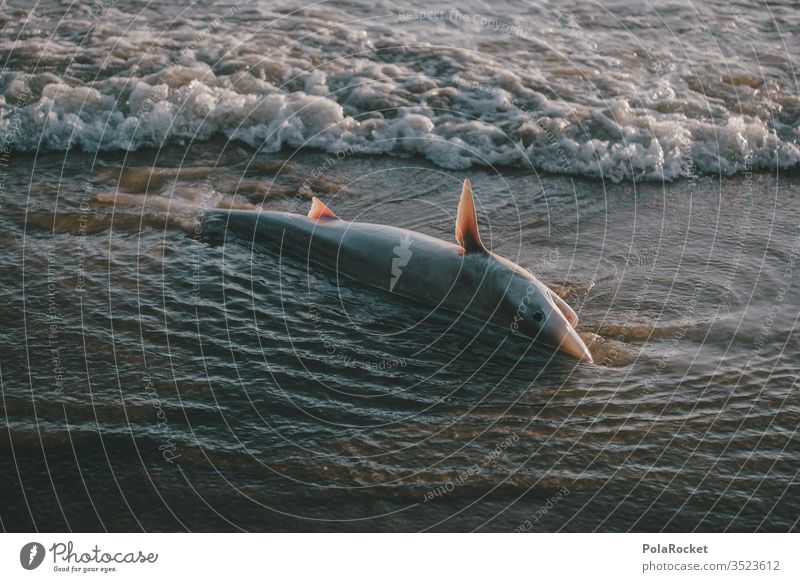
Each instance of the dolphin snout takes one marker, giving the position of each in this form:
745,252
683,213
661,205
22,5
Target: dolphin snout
562,336
573,345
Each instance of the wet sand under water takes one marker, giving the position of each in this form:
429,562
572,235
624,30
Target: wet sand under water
156,380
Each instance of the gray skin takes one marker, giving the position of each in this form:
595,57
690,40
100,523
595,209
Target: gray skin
419,267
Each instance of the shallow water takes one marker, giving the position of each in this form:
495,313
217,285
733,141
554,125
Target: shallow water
156,379
288,398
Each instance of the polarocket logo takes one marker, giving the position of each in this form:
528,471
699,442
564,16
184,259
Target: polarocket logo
31,555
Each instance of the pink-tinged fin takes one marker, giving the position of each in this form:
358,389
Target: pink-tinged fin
319,210
567,311
467,234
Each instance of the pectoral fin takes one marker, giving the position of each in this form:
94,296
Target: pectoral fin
467,234
565,309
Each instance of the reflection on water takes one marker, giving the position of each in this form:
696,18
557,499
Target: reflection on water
156,379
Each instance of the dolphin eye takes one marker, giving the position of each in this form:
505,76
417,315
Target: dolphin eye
538,316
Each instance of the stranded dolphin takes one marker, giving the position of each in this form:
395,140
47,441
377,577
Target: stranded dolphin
463,277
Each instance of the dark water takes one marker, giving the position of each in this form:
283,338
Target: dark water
155,379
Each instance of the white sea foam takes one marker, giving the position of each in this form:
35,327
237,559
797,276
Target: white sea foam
249,77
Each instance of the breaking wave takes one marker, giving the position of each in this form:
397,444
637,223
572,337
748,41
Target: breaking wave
324,78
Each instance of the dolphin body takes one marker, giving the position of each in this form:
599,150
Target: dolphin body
464,277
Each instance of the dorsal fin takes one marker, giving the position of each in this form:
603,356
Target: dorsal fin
467,234
319,210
